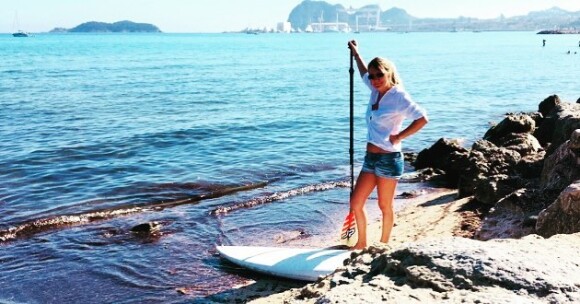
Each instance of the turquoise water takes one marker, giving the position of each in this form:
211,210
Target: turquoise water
103,123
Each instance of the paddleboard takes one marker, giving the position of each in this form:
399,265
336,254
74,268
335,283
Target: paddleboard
305,264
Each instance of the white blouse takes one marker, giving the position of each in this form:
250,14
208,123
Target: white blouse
394,107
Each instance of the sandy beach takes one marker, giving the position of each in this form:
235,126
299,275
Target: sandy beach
435,214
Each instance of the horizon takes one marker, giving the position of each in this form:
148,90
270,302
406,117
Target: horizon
182,16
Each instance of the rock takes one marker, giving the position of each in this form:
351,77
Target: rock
410,156
530,221
563,216
568,121
513,123
562,167
523,143
458,270
490,189
531,166
575,141
537,117
548,104
558,125
447,155
292,235
514,133
507,219
147,228
485,159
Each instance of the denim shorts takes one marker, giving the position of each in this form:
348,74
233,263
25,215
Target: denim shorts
387,165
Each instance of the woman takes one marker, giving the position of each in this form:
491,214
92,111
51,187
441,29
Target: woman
383,165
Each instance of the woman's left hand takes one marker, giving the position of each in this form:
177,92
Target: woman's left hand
394,139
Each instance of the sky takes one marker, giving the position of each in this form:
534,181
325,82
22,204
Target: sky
209,16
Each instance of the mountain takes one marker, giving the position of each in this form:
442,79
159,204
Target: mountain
117,27
320,16
309,12
575,24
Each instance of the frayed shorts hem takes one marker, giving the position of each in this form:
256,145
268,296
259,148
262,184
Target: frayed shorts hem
386,165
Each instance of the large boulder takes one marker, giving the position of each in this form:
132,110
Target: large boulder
490,189
447,155
558,125
563,216
513,123
523,143
562,167
486,159
531,166
515,215
515,133
568,121
548,104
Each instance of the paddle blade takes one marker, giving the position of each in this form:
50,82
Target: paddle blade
348,235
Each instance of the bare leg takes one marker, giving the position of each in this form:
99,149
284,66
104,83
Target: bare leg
365,184
386,191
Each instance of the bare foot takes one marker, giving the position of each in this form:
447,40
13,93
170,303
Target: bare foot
358,247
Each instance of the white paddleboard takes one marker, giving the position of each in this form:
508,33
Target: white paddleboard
305,264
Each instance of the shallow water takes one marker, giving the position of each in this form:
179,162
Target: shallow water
104,132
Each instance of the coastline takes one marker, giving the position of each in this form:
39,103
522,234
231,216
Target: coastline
509,233
436,214
71,160
428,264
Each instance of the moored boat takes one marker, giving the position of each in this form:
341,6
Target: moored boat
21,34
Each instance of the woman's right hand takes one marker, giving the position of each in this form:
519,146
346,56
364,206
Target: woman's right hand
361,65
353,46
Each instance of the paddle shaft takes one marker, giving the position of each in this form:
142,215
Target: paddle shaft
351,149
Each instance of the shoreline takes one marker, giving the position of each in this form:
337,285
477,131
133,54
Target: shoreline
436,214
508,234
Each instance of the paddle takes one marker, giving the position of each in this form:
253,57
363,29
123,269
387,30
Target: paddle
348,232
351,150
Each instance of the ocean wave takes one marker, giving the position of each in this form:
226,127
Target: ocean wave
279,196
33,227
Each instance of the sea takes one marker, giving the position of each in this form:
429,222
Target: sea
224,138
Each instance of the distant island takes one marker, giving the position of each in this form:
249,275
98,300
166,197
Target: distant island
103,27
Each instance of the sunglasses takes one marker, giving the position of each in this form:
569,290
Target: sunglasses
376,76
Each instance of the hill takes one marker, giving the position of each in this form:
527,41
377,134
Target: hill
117,27
322,16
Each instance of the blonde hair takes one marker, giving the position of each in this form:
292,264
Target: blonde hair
389,68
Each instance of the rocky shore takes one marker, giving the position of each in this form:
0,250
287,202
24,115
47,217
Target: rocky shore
510,233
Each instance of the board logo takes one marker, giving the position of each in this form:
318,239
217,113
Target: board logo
348,228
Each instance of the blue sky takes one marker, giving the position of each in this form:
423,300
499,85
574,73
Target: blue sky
189,16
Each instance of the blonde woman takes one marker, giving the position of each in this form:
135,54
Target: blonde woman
388,107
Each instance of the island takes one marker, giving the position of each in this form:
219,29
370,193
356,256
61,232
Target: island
103,27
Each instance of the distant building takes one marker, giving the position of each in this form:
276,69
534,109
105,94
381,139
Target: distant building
284,27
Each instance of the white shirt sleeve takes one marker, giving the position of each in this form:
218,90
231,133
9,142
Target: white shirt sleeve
411,109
